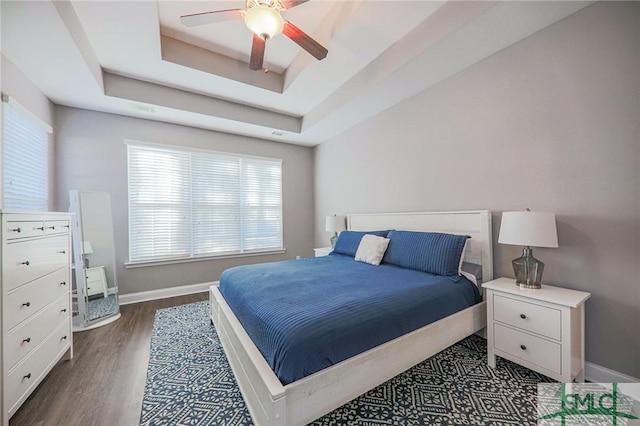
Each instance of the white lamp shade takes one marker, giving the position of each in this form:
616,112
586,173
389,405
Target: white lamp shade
335,224
524,228
86,246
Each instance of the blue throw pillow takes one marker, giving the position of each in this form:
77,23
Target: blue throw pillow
430,252
348,241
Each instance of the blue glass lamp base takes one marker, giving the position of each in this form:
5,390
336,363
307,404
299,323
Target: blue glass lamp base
528,270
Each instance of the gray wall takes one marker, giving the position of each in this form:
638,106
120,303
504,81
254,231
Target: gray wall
91,155
551,123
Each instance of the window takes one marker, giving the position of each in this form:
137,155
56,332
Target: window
25,159
189,203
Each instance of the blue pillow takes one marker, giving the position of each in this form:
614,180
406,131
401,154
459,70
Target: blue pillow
430,252
348,241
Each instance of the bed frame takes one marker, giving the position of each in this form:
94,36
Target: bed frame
300,402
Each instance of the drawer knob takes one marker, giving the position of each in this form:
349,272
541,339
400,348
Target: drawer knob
27,304
523,347
27,340
18,230
61,252
523,316
27,376
63,283
39,228
63,338
63,310
51,227
66,226
25,263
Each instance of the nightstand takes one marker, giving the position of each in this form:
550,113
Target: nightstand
540,329
322,251
96,281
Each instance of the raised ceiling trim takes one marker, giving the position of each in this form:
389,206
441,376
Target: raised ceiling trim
188,55
155,94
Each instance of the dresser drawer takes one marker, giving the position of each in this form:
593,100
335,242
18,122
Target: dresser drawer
527,347
29,299
528,316
29,372
23,228
52,227
24,261
24,338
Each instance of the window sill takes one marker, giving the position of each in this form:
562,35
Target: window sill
142,264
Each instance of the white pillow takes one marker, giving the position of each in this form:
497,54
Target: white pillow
371,249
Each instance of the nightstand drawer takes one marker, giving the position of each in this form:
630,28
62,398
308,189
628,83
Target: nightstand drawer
527,347
322,251
96,281
528,316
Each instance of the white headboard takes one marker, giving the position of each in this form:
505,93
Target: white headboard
475,223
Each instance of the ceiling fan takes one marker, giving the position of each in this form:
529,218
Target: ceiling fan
264,19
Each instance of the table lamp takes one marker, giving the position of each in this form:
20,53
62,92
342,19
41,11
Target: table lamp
86,249
528,229
335,224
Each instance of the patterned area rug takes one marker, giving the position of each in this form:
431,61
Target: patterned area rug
189,382
102,307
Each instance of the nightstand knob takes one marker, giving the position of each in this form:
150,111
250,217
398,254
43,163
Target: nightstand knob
523,316
523,347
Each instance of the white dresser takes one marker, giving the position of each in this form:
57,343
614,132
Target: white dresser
36,301
541,329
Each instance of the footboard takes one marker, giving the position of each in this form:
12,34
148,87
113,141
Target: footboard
262,391
300,402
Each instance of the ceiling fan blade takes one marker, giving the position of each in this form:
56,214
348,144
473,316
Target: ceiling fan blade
257,53
205,18
303,40
288,4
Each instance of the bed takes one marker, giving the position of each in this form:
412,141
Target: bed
300,398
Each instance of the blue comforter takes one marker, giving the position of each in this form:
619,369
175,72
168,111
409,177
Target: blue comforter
306,315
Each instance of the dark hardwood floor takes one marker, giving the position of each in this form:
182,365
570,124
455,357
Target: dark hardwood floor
104,382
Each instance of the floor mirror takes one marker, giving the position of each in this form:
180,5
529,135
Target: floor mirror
95,290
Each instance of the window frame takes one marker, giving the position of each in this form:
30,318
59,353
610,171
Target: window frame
10,107
197,258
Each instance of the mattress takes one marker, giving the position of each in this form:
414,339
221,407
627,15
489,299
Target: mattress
308,314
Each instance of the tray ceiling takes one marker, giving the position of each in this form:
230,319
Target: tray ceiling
135,58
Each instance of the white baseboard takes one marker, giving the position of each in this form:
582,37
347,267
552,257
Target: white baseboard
164,293
598,374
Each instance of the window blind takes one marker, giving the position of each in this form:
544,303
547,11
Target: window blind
25,159
189,204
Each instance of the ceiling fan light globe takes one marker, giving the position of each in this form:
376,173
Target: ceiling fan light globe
264,21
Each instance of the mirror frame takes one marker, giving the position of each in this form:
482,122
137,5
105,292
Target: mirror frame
81,294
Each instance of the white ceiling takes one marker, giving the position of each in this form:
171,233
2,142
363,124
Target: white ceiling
135,58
